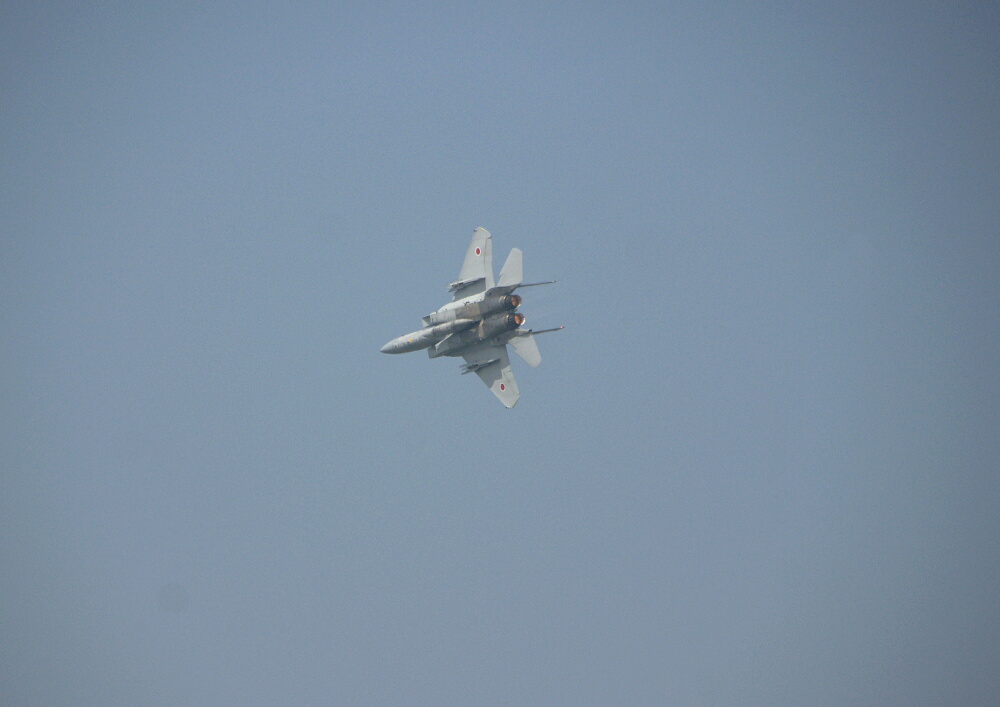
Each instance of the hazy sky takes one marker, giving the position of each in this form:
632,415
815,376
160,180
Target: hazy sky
759,466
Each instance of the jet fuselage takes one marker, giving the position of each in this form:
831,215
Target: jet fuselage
426,337
476,307
495,330
451,338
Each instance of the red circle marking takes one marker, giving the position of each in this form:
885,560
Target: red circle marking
478,252
503,387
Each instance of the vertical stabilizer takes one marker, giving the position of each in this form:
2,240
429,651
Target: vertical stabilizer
512,272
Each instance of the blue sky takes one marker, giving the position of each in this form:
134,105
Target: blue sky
758,467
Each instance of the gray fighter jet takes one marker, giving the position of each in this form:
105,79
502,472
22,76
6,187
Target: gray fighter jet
480,321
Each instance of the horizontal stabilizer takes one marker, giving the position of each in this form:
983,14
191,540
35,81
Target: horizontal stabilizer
525,347
507,289
536,284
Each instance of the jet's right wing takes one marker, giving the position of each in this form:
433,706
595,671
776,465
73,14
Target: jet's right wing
492,365
477,269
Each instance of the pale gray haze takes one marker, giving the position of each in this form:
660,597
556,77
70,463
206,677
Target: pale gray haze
758,467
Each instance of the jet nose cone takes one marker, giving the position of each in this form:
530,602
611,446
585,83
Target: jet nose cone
387,348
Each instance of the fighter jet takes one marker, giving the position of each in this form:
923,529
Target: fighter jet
480,321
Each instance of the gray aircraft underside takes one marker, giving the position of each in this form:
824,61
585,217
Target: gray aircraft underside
480,321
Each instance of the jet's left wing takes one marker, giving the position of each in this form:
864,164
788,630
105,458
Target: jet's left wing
477,269
492,365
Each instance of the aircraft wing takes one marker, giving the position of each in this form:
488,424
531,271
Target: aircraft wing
492,365
477,269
